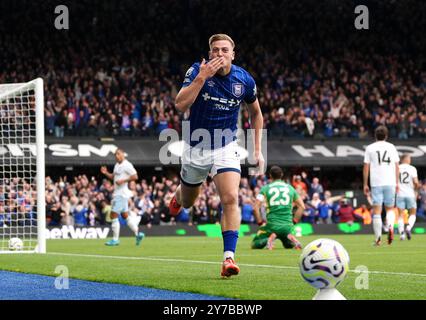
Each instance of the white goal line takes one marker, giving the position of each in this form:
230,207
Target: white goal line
216,263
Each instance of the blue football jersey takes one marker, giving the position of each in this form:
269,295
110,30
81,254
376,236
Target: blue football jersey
218,103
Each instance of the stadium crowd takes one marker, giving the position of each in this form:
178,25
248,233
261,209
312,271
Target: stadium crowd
85,201
102,78
117,70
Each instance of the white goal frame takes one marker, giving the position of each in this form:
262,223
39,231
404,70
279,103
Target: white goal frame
37,86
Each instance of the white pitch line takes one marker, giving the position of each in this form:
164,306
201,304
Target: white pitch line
216,263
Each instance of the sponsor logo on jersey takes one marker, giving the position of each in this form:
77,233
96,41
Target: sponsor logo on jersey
221,103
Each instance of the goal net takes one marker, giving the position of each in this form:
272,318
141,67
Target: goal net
22,185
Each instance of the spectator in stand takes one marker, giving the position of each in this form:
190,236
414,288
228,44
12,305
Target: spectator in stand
49,119
339,91
67,218
422,125
145,206
422,201
247,211
315,203
200,212
80,216
332,204
309,215
49,209
363,214
3,216
184,216
147,124
160,213
60,124
106,210
326,209
93,215
345,213
299,184
84,200
316,187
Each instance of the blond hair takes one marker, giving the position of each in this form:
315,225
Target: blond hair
221,36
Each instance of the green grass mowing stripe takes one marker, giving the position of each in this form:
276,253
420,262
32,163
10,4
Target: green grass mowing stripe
253,283
165,260
216,263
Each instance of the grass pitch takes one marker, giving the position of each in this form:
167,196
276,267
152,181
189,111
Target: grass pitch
192,264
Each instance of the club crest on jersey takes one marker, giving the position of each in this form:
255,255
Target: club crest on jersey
237,89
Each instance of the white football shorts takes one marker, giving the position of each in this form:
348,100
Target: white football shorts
197,163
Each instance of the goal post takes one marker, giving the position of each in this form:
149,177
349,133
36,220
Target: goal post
22,168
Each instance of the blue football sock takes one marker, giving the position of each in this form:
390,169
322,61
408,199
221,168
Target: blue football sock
230,239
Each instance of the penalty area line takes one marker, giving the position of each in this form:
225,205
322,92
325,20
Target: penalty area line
100,256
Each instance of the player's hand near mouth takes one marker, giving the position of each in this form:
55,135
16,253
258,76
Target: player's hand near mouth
209,69
187,96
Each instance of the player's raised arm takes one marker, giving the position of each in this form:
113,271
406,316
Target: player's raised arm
187,95
105,172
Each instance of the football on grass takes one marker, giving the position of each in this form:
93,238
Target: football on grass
15,244
324,263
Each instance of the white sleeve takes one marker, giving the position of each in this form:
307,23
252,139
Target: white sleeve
414,173
396,155
130,169
260,197
367,156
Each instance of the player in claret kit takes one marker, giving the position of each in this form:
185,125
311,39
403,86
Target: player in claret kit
406,197
213,92
381,163
123,173
280,198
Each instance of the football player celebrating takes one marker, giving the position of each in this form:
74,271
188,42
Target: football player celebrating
213,92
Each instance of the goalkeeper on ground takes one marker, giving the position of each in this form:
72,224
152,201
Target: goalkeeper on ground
279,198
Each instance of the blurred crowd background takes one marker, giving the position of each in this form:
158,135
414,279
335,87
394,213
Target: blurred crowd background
116,72
86,201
